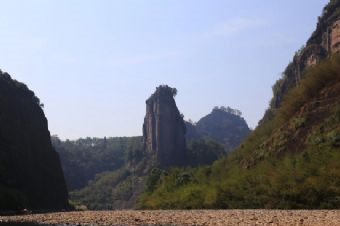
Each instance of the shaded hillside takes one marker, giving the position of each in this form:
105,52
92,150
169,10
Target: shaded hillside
95,167
291,160
224,125
116,189
204,151
82,159
30,171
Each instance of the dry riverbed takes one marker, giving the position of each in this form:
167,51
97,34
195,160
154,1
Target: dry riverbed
186,218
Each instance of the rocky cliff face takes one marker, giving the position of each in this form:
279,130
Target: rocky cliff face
324,41
30,171
164,128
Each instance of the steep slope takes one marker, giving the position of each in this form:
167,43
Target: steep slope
291,160
30,171
324,41
224,125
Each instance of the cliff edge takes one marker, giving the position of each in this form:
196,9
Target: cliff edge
324,42
30,171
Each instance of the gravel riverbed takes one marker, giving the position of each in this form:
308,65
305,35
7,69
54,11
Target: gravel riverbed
185,218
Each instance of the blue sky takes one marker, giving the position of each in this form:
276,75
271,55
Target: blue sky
94,63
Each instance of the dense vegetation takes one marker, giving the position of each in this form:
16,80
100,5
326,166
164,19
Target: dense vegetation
97,168
20,87
98,194
204,152
82,159
104,173
290,161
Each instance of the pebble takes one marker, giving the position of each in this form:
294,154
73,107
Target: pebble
184,218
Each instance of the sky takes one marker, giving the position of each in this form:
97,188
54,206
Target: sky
93,63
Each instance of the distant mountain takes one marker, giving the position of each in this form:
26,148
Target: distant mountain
224,125
30,171
291,160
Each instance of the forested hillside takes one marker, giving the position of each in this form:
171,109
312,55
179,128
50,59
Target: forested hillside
82,159
96,167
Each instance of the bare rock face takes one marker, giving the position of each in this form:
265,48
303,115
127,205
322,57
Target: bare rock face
30,171
164,128
324,42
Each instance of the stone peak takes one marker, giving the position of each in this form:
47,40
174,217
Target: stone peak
163,91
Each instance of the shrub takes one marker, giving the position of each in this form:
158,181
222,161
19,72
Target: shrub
314,80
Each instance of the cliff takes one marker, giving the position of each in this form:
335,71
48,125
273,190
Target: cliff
30,171
324,42
164,128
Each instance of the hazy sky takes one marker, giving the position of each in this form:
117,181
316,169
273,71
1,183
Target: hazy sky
94,63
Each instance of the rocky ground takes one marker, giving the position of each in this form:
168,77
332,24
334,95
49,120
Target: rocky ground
186,218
